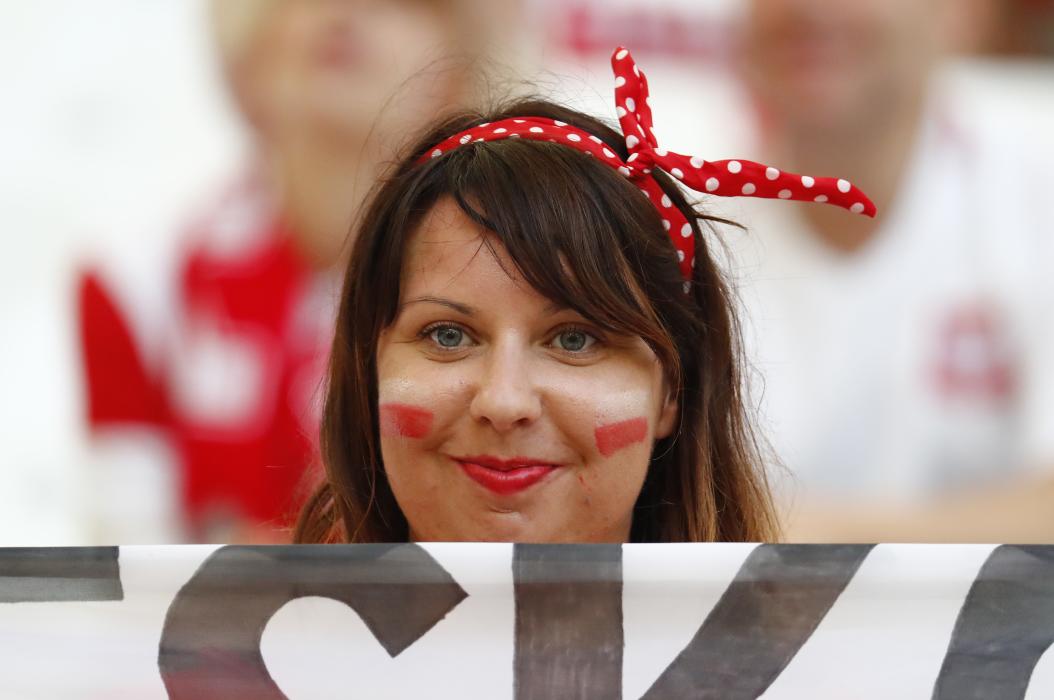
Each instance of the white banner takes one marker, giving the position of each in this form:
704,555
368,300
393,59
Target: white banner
528,621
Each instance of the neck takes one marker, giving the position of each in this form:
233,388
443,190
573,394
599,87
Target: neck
871,153
322,186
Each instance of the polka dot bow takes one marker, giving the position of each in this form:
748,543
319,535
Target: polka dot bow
724,178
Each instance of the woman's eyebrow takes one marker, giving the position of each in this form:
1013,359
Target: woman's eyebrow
460,308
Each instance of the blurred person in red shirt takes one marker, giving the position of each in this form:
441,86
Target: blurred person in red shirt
225,379
905,362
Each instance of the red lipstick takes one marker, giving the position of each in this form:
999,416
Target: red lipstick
505,476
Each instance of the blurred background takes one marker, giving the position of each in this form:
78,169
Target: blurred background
178,178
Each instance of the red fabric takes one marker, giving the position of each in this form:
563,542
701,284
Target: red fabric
724,178
118,387
249,461
255,469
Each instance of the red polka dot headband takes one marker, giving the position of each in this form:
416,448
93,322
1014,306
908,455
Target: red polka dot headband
725,178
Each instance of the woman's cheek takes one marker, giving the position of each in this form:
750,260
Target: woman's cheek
615,437
406,409
419,410
405,420
621,422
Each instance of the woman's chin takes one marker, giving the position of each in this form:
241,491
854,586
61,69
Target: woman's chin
511,527
524,532
499,527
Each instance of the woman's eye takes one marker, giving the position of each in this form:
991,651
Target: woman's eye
447,336
574,340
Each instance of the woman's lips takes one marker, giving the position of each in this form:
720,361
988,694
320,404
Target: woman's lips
505,476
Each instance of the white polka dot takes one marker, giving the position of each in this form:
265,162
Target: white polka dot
608,153
559,123
574,137
843,185
466,138
771,173
484,124
680,256
857,208
636,71
631,105
820,198
749,188
480,139
686,230
697,162
632,157
646,171
666,224
807,181
687,287
537,130
436,153
620,111
519,121
514,136
660,151
620,81
712,184
595,139
785,194
500,130
621,55
631,142
693,262
646,194
666,201
677,173
734,166
624,170
647,101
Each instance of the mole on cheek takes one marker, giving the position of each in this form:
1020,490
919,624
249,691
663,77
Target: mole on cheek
401,420
615,436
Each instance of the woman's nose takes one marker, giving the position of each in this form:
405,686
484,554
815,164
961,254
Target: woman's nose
507,395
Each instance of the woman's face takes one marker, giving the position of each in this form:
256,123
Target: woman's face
504,417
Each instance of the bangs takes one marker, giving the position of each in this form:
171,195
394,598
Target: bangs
577,231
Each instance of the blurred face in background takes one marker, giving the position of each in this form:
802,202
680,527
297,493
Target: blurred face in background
825,64
333,66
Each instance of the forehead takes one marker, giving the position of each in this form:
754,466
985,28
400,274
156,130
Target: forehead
448,252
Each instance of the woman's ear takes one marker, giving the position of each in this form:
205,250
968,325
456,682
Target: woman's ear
668,415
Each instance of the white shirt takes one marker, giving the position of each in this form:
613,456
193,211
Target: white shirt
921,362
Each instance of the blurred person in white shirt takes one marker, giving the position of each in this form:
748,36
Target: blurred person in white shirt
903,364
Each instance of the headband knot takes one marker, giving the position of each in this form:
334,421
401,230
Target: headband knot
724,178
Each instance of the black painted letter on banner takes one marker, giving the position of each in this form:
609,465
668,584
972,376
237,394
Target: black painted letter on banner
771,608
568,621
1005,625
56,574
210,646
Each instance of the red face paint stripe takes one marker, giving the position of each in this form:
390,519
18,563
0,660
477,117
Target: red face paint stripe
405,421
614,436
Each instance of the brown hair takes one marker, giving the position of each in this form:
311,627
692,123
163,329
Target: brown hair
585,237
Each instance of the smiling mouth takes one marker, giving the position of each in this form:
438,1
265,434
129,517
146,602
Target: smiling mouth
505,476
